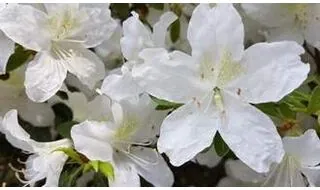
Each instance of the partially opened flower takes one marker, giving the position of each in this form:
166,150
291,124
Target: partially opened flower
296,22
13,96
44,162
217,84
299,167
136,37
124,141
61,34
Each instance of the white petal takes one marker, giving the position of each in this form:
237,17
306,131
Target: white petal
160,28
119,87
270,77
136,37
216,30
98,26
7,48
84,64
305,148
19,23
209,158
44,77
151,166
15,134
93,140
125,174
313,175
268,14
188,130
54,167
250,134
162,74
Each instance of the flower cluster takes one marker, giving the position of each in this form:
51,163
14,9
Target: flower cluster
179,83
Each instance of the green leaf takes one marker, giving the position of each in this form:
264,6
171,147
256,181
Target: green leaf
175,31
95,165
18,58
220,146
314,103
286,112
158,6
269,109
164,105
107,169
69,175
72,154
64,129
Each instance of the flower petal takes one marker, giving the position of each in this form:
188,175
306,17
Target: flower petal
44,77
14,133
270,77
119,87
313,175
84,64
250,134
7,48
188,130
160,28
19,23
93,140
306,148
136,37
151,166
162,73
216,30
125,174
99,25
55,163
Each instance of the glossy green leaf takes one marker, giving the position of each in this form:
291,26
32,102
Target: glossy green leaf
164,105
314,103
18,58
72,154
220,146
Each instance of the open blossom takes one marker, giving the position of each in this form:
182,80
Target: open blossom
296,22
299,167
13,96
217,84
136,37
61,34
44,161
124,142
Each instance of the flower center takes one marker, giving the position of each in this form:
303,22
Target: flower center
219,74
63,23
126,130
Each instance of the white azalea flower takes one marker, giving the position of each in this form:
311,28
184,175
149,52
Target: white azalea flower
136,38
13,96
299,166
123,140
61,35
296,22
44,161
217,84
